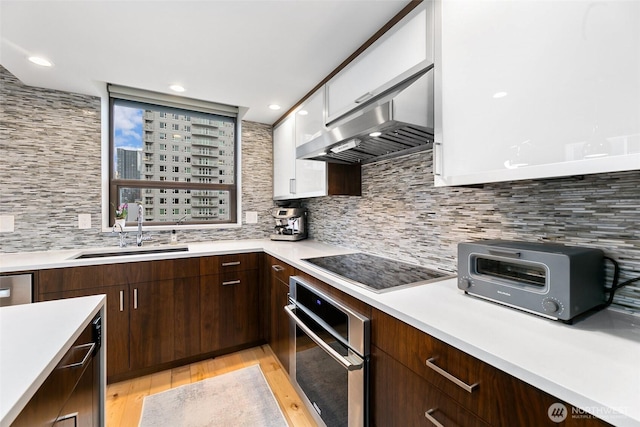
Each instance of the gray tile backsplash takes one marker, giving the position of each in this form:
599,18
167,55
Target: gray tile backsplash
403,216
50,172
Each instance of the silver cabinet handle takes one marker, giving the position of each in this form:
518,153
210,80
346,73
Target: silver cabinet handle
121,300
431,419
230,282
5,293
363,98
437,160
277,268
292,186
229,264
90,347
351,365
135,299
468,388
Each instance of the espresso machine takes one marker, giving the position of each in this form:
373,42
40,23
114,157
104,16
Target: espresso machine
291,224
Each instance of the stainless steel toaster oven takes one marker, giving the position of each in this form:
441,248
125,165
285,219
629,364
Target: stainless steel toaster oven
552,280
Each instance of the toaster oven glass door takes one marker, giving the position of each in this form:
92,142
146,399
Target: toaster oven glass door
519,273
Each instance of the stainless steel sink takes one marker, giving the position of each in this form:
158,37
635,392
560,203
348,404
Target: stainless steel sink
130,252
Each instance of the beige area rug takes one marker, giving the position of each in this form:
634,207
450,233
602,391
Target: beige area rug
238,398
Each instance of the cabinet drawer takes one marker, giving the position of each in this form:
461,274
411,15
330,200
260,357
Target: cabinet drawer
174,268
493,395
280,270
227,263
71,278
403,398
45,405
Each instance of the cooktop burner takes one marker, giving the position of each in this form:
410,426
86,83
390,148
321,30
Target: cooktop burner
376,273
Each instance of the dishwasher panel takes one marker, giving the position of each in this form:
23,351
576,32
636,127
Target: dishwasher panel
16,289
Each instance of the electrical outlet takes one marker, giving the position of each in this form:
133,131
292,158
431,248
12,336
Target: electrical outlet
7,224
251,217
84,221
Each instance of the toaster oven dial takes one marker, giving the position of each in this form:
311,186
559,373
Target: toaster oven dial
464,283
551,305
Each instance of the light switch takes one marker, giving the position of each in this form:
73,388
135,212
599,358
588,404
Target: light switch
84,221
6,224
251,217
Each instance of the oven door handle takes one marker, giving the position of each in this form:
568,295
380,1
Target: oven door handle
351,363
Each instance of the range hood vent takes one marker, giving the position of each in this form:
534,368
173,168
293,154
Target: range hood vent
401,120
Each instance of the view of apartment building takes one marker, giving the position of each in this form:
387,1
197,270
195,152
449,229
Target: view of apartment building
181,148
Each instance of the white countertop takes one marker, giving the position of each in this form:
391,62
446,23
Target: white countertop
33,340
593,364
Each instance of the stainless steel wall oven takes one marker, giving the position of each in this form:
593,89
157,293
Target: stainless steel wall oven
329,363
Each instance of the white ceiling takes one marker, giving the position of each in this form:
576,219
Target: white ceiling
243,53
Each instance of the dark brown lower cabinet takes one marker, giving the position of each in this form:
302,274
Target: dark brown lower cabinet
488,393
239,321
151,323
70,396
401,398
186,313
279,273
229,310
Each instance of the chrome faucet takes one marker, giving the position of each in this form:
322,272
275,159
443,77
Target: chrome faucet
140,237
122,234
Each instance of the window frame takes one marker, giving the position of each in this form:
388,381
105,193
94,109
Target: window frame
114,184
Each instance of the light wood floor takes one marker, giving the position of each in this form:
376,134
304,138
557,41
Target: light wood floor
124,399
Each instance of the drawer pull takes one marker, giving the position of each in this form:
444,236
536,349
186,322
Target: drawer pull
277,268
431,419
230,282
229,264
90,346
447,375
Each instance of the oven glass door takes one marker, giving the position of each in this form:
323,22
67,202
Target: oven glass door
324,381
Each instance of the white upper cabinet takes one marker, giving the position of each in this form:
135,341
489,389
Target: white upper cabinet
292,178
536,89
310,118
402,51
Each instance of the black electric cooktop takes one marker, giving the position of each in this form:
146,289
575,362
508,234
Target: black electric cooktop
374,272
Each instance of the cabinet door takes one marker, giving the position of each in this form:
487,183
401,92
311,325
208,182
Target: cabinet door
186,305
520,103
310,118
284,167
403,50
292,178
117,309
151,323
239,308
209,313
279,335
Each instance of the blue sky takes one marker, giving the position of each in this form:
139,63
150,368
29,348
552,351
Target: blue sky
127,127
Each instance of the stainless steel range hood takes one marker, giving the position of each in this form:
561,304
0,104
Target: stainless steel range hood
403,115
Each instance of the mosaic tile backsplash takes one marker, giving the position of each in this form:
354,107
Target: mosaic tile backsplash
401,215
50,172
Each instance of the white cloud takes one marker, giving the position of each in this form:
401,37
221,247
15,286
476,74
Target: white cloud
127,126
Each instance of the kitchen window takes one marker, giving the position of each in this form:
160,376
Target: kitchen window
213,132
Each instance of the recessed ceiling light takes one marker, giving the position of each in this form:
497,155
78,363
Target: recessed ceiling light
499,95
375,134
303,112
274,107
176,88
40,61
